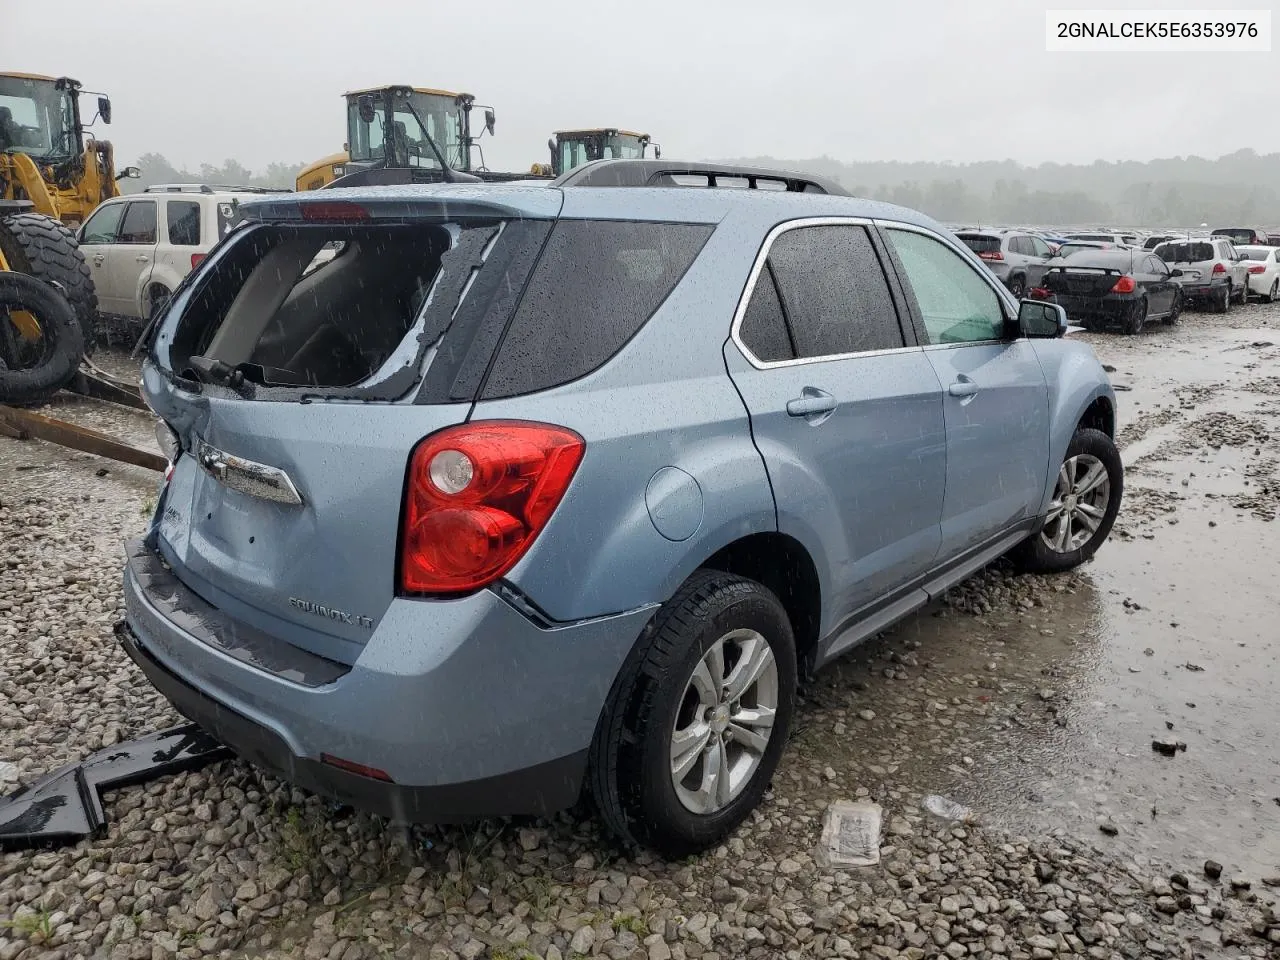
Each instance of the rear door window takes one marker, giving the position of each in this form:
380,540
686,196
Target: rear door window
182,219
956,304
597,283
139,223
833,291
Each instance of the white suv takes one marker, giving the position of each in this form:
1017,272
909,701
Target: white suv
139,247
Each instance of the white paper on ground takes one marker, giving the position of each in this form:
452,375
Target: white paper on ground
851,835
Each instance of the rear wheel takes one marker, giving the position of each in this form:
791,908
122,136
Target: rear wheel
1222,303
698,717
1274,293
1135,317
1083,508
1018,286
45,249
1244,293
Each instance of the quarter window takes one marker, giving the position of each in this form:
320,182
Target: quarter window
183,220
764,328
101,227
956,304
833,291
139,224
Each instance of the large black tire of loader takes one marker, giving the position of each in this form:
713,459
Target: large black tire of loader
61,345
45,249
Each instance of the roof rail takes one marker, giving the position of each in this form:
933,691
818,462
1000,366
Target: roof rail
210,188
179,188
678,173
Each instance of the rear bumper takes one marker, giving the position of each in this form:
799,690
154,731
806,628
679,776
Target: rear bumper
1202,291
1107,309
469,707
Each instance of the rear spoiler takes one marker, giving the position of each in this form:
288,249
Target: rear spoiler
391,204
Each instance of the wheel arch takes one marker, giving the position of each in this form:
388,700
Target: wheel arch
783,564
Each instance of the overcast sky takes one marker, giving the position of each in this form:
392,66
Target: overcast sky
956,80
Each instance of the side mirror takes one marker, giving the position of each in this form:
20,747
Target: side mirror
1039,320
657,151
104,109
488,121
129,173
364,107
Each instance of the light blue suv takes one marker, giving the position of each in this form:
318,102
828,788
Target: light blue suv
531,489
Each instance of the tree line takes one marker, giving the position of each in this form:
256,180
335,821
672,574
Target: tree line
1241,188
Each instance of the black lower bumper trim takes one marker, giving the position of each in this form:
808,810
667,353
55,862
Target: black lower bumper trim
65,806
537,790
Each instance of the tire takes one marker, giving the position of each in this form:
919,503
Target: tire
631,769
1244,293
45,249
1018,286
45,370
1135,317
1175,310
1048,550
1222,303
1274,293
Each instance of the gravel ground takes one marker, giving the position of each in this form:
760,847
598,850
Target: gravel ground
229,862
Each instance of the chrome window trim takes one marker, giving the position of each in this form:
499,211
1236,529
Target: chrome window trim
735,331
1003,296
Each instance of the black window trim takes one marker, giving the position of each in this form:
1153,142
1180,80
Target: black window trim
761,262
1008,305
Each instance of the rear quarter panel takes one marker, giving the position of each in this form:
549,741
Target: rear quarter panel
1075,379
665,400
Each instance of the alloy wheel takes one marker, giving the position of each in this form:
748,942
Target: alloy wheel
724,721
1079,503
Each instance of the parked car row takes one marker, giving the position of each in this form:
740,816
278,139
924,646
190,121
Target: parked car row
1107,278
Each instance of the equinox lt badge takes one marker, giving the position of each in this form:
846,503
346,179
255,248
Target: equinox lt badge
331,613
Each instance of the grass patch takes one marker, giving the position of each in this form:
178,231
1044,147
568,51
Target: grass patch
30,924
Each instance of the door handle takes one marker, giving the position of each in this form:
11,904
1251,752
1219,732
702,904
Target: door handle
810,402
98,258
141,259
964,387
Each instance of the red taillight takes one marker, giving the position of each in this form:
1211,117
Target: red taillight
195,259
1219,268
1258,269
357,768
991,255
332,211
1124,285
476,497
1039,293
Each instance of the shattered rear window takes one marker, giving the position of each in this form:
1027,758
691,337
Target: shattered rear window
335,307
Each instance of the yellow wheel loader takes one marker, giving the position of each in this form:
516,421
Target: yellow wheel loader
404,134
573,148
53,174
